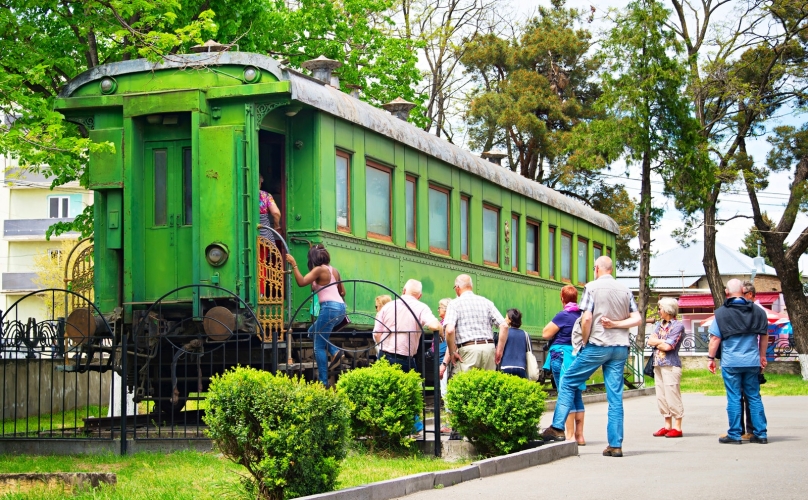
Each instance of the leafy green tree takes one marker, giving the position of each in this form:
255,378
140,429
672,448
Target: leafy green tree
648,121
532,91
45,43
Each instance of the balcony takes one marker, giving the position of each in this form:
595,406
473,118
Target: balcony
19,282
31,229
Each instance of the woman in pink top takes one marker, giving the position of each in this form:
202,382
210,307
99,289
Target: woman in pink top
332,305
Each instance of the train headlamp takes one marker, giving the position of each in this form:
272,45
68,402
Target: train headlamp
108,85
251,74
216,254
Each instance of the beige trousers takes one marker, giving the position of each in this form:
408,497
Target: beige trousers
668,393
477,356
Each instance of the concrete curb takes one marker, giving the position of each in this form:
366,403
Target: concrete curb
402,486
600,398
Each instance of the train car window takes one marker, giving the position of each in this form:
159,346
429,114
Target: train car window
515,242
597,251
464,227
378,197
491,235
160,187
411,211
187,188
583,260
566,257
343,192
439,220
551,248
608,252
532,248
58,207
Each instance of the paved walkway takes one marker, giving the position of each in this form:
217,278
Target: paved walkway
693,467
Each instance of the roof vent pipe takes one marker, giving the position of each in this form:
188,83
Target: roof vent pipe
335,81
354,90
399,108
321,68
209,46
494,156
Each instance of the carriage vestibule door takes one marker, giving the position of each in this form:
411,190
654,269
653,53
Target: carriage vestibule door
168,218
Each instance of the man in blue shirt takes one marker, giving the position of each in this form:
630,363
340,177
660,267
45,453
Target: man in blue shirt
740,328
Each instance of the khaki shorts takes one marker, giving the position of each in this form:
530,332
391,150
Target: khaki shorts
477,356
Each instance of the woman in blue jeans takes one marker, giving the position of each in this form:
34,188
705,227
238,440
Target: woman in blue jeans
559,333
332,306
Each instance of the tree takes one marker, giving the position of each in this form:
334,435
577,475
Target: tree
647,120
750,243
752,70
532,91
45,43
438,31
789,153
738,79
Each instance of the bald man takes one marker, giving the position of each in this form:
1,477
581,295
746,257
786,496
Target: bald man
741,329
468,323
609,311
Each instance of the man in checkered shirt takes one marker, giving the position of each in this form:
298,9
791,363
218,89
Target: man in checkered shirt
468,323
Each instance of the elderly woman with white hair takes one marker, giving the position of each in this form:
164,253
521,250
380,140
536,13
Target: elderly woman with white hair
667,339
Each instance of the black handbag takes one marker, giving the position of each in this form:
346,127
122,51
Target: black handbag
648,371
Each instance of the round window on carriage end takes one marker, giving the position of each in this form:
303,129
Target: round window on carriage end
108,85
216,254
251,74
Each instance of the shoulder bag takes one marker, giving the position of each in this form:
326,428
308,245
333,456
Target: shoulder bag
648,371
532,366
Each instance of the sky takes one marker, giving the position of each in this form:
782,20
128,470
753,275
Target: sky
736,202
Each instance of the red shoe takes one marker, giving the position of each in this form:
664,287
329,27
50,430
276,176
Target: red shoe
661,432
673,433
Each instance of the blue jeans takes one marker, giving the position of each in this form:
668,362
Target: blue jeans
577,398
519,372
331,314
592,357
406,363
744,381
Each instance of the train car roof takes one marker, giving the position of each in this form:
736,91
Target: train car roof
330,100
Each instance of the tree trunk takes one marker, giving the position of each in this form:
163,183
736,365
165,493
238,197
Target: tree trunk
796,301
644,234
709,261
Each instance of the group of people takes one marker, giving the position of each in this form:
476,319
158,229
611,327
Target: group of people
583,337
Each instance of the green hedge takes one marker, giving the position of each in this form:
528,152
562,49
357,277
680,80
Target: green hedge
497,412
291,436
383,402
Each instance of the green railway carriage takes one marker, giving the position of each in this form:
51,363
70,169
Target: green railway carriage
176,202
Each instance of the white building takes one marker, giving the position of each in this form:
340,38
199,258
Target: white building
27,208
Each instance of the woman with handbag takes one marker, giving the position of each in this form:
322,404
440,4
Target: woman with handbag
666,341
559,333
511,350
332,306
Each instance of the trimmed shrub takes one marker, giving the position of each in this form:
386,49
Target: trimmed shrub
497,412
383,402
291,436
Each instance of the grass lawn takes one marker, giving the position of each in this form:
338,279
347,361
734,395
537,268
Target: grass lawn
55,422
193,475
713,385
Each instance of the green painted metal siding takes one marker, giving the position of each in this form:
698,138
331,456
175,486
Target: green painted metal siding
392,263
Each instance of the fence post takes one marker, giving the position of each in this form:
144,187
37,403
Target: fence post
124,407
436,390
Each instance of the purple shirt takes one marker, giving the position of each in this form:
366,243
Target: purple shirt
565,320
673,334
